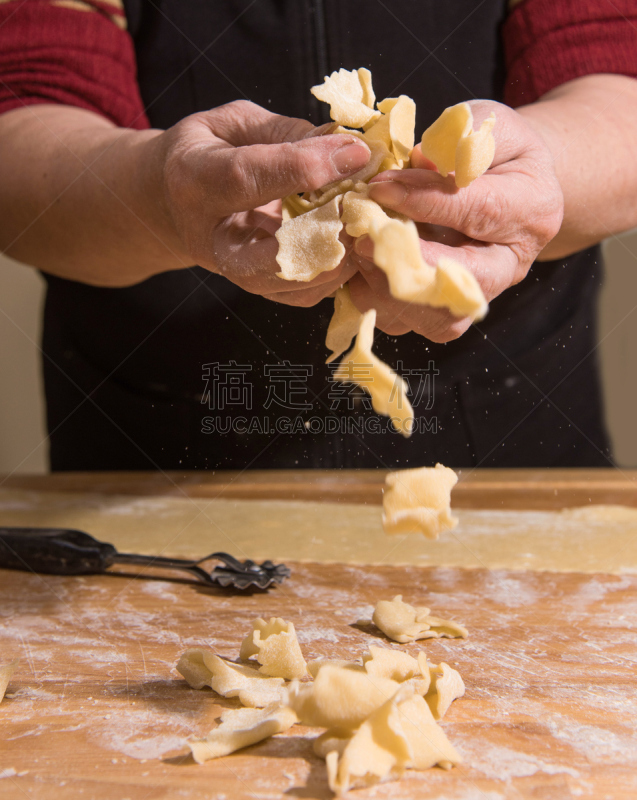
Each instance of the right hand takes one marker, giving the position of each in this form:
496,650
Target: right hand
223,173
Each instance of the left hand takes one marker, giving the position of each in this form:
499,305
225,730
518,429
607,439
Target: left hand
495,227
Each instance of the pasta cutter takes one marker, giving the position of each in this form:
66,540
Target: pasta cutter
61,551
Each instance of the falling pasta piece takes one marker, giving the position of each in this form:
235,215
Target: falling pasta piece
419,501
276,648
360,212
228,679
6,673
405,623
440,140
446,686
339,697
240,728
475,153
309,243
344,324
348,94
388,391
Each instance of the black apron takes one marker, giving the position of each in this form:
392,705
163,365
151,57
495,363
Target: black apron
188,371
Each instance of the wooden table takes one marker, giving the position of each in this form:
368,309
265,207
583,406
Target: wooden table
96,709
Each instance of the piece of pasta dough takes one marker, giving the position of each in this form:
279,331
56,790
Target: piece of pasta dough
344,324
378,714
445,687
398,735
453,146
387,390
393,664
317,664
419,501
6,673
201,668
400,113
405,623
276,648
474,154
350,96
239,728
360,212
309,244
339,697
447,285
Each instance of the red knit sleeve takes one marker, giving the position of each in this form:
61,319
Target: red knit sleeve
52,54
549,42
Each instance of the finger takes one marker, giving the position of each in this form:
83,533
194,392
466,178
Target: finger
495,267
396,317
243,250
246,177
242,123
306,295
368,294
503,205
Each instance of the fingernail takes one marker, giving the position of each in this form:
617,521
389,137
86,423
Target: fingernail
388,193
350,158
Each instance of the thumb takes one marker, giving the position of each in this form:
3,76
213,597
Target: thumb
249,177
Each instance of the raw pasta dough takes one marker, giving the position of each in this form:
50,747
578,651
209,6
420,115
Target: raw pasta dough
201,668
419,501
379,714
400,734
6,672
310,235
404,623
241,727
276,648
387,389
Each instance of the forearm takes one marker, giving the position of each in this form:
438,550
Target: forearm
81,198
590,126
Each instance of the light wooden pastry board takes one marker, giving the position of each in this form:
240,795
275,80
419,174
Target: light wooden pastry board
97,710
589,539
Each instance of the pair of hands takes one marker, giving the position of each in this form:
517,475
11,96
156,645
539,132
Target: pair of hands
224,171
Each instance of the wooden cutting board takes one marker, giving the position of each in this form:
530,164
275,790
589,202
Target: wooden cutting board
97,710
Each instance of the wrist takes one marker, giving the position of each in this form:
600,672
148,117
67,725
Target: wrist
148,150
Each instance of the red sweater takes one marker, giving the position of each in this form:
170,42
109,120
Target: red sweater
52,54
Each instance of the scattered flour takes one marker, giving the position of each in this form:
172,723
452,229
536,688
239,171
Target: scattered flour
504,763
